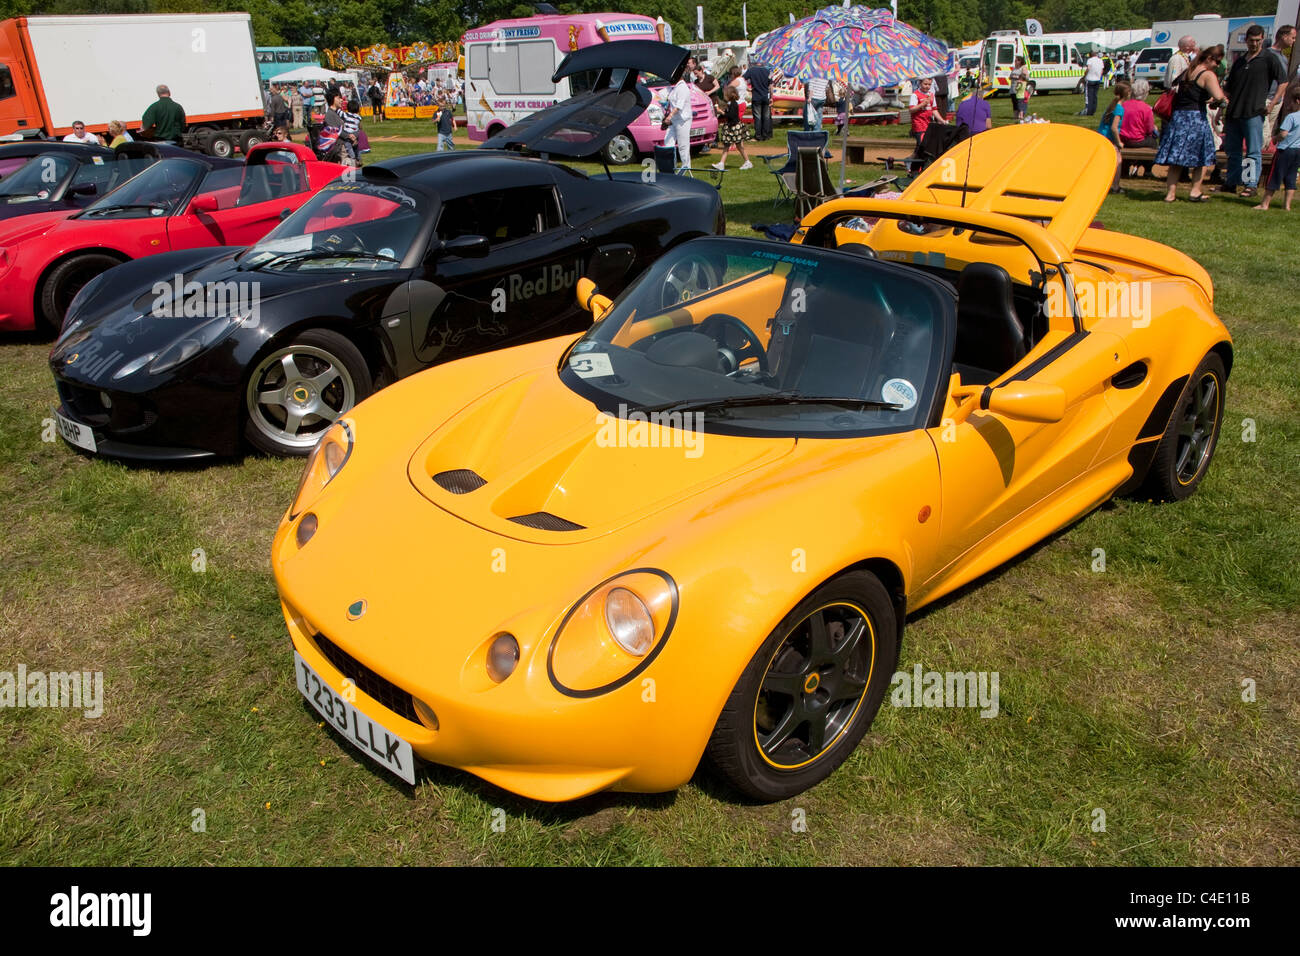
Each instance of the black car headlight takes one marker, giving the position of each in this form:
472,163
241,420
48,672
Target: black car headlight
195,341
71,319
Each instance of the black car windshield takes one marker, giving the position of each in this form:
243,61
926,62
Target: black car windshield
158,191
38,179
356,225
763,338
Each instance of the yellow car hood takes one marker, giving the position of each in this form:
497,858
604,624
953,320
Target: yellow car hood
533,461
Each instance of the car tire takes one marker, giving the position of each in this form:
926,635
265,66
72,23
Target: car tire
220,145
787,679
620,150
250,139
65,281
287,407
1187,446
691,276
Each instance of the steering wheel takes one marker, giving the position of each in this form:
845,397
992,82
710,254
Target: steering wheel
717,325
346,240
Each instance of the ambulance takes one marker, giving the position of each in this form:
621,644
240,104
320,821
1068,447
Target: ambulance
1049,59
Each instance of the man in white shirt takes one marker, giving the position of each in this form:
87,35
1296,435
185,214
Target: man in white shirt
816,89
1180,61
80,135
679,121
1092,83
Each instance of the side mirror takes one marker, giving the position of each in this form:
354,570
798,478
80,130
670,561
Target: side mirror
1020,401
83,189
467,247
205,203
591,300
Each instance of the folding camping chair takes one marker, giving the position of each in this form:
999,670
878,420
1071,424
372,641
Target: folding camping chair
789,160
938,139
813,184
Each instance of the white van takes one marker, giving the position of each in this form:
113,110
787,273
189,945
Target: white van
1150,64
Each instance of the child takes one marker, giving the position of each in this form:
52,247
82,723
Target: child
732,132
1020,88
446,124
1287,158
1110,124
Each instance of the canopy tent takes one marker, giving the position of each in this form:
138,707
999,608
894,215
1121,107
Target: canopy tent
311,74
1132,47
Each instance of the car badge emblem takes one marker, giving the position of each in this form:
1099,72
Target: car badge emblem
300,395
812,683
786,326
356,609
71,358
686,295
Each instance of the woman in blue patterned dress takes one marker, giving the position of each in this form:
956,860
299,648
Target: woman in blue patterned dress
1187,142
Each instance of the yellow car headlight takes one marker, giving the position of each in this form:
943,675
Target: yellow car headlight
325,461
613,633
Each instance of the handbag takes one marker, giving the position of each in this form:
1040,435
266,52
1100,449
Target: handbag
1164,107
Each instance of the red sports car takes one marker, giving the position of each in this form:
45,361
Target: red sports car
178,203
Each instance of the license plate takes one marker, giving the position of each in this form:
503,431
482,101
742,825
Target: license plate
373,739
76,434
698,131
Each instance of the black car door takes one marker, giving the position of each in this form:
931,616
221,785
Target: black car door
522,290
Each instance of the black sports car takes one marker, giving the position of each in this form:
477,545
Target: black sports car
411,262
38,176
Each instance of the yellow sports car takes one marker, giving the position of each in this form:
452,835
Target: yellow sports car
696,530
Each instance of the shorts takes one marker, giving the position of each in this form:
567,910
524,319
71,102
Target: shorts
1283,173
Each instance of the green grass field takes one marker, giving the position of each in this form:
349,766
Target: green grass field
1121,690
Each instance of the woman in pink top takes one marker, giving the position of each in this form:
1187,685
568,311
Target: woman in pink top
1138,127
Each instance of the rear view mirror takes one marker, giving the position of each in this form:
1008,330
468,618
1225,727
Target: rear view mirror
467,247
1028,402
82,189
1017,400
591,300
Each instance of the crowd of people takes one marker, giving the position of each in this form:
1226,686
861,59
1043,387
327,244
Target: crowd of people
1207,104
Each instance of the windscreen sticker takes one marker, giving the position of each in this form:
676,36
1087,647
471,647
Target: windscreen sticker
592,365
899,391
97,160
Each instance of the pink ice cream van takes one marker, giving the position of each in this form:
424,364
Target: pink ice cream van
509,66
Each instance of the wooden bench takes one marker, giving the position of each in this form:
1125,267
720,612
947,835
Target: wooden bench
1139,162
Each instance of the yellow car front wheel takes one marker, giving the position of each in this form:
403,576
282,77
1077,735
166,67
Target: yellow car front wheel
810,691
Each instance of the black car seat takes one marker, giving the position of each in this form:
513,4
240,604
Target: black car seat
990,338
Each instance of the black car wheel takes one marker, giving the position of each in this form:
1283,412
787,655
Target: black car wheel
1187,446
65,281
688,278
810,692
300,388
620,150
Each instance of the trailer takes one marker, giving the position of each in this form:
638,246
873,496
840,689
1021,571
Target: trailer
58,70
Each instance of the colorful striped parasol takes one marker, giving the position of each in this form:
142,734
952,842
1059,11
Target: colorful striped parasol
856,46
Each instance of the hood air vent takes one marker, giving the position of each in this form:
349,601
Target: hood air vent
545,521
459,482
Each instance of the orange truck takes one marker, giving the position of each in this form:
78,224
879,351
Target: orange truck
58,70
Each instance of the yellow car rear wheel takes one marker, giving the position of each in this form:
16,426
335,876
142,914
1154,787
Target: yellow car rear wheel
1187,446
810,691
